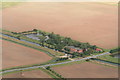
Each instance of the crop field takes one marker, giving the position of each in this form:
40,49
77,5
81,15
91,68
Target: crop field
86,70
28,74
14,55
83,21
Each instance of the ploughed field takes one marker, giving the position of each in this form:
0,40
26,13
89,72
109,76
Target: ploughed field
14,55
83,21
28,74
86,70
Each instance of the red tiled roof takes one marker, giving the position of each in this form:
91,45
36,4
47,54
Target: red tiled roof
74,50
98,49
80,51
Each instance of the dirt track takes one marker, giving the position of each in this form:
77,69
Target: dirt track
87,22
86,70
16,55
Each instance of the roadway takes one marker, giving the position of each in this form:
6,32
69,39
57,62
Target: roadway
34,67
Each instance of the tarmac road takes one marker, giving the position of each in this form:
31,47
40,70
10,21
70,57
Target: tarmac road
12,70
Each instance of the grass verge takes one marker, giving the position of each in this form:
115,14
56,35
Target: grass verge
103,64
109,58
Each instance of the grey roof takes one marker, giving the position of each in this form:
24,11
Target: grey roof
70,47
78,48
33,36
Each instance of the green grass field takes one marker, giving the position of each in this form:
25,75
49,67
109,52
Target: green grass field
109,58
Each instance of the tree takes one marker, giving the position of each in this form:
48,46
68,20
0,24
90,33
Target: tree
50,41
81,55
84,45
88,60
74,55
18,37
48,68
14,33
59,47
115,50
86,53
76,43
42,39
90,51
68,41
35,30
52,35
62,59
67,49
43,33
93,47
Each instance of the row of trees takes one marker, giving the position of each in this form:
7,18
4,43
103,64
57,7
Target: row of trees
115,50
62,59
49,68
56,39
60,42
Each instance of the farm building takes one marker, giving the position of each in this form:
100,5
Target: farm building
97,49
74,49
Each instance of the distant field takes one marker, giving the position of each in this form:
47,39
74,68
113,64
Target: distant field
86,70
28,74
8,4
14,55
86,22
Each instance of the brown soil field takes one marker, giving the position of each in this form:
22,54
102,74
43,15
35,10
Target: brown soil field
83,21
16,55
28,74
86,70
